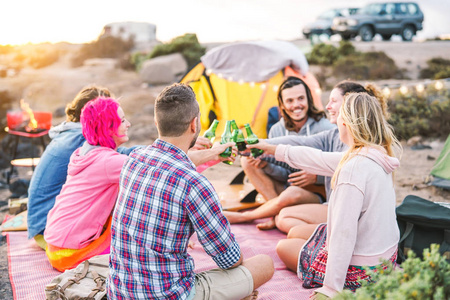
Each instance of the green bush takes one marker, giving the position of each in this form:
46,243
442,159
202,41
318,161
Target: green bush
104,47
438,68
137,59
346,48
323,54
417,279
426,114
347,62
366,65
187,45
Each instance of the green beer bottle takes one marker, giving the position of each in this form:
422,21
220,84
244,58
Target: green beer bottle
252,139
210,134
226,138
238,136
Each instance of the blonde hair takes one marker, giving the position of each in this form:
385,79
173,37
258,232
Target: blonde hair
348,86
365,119
74,108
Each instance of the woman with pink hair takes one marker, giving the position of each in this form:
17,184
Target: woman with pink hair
78,226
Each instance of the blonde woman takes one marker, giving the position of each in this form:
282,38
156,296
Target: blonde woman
362,228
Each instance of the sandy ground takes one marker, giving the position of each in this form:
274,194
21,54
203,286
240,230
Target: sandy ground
53,87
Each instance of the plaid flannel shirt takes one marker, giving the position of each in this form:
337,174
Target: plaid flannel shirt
162,202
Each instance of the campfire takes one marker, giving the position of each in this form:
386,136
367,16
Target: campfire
27,120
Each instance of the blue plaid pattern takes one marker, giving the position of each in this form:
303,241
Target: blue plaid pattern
162,202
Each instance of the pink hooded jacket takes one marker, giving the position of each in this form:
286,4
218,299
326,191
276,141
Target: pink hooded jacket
362,226
87,198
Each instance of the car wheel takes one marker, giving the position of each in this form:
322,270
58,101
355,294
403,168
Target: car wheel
386,37
366,33
408,33
346,37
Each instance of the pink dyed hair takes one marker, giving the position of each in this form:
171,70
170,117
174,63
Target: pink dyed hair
100,121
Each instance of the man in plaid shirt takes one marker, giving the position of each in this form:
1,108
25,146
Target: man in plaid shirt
162,202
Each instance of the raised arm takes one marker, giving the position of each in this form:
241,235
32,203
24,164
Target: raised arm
202,156
309,159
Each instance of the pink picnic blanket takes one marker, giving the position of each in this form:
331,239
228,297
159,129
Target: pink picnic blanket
30,271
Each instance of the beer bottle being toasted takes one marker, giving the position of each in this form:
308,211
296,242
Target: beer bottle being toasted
226,138
238,136
210,134
252,139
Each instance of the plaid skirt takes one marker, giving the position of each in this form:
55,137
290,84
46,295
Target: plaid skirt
312,262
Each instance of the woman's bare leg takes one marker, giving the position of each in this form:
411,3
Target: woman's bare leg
292,216
302,231
288,251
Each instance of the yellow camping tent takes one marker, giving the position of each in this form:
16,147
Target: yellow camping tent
240,81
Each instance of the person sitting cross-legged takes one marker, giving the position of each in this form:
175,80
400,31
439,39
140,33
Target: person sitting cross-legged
279,184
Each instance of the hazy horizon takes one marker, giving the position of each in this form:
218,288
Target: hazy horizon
54,21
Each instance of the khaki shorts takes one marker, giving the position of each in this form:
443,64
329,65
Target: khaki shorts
233,284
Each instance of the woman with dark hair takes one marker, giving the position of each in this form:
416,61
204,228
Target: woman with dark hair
79,225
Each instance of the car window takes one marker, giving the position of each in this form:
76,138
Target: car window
406,9
353,11
372,9
412,9
390,8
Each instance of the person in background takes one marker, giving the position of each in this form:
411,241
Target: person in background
162,202
362,228
79,224
301,220
299,118
287,214
51,172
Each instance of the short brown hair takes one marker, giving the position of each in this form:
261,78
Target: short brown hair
73,109
175,107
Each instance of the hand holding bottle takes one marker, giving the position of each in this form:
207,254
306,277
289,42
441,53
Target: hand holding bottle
202,143
219,148
265,146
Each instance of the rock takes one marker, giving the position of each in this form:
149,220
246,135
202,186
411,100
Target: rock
415,140
163,69
59,112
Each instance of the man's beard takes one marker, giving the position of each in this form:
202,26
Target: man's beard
196,134
193,141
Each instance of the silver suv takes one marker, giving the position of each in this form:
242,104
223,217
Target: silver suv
403,18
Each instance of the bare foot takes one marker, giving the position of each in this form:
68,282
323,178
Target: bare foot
267,225
253,296
235,217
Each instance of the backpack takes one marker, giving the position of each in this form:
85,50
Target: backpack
86,281
422,223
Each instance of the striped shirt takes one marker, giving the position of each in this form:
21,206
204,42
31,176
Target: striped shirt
162,202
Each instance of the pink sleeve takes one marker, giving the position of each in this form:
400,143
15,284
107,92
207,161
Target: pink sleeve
312,160
113,166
